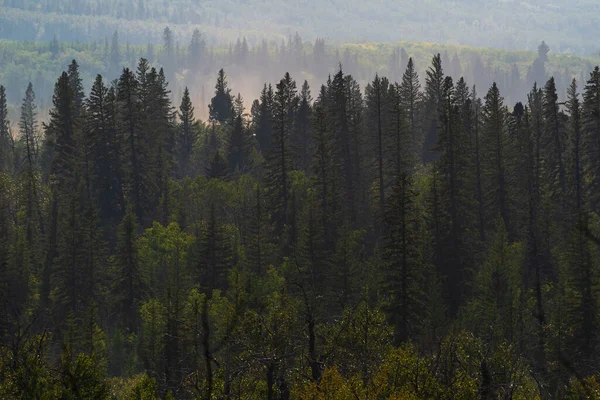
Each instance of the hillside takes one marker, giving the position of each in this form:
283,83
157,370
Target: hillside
509,24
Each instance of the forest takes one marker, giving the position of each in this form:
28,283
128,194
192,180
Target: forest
414,237
192,62
569,24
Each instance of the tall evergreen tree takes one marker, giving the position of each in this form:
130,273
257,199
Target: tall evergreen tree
76,86
301,140
577,150
411,96
554,142
495,143
221,105
187,134
60,149
6,139
279,161
135,154
262,119
115,54
433,97
454,188
106,167
378,112
403,272
591,134
196,50
237,145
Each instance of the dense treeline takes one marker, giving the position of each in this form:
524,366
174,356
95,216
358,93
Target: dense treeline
405,241
569,24
191,61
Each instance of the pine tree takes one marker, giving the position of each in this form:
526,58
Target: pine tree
237,145
279,158
403,272
115,55
554,142
162,146
187,134
455,217
477,164
411,96
76,87
169,44
262,120
378,110
59,148
79,261
577,150
301,139
104,147
196,50
6,139
324,171
495,144
591,135
400,151
135,154
345,125
433,98
537,258
221,105
29,170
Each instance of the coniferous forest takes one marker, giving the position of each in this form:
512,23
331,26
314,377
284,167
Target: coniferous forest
341,241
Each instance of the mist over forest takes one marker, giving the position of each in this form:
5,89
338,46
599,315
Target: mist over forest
319,200
508,24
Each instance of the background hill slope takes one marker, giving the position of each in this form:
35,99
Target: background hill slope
569,25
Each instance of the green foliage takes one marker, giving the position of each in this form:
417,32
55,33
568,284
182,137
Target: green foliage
404,244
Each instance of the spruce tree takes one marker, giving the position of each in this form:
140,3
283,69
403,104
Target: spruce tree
378,111
495,143
135,154
262,120
411,96
577,150
301,139
106,167
554,142
454,195
433,98
187,134
6,140
76,85
237,145
59,148
279,161
221,105
403,268
29,169
115,55
325,171
591,135
196,50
